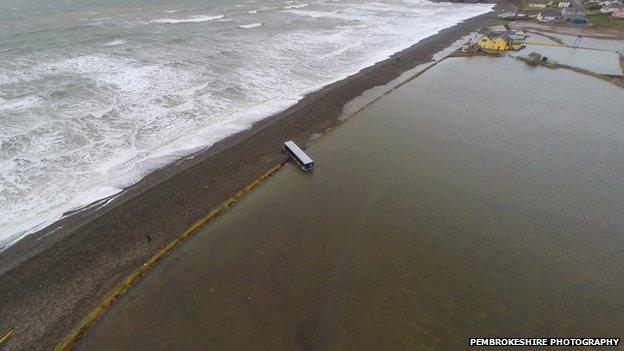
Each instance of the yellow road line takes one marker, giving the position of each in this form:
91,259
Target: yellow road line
68,342
5,336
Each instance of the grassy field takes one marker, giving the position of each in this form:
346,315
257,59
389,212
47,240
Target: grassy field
605,20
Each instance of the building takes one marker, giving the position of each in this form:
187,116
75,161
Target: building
563,4
549,16
494,42
537,5
517,35
498,28
618,14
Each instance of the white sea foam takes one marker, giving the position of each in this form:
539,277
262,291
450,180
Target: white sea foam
115,42
19,104
80,123
192,19
339,15
296,6
251,25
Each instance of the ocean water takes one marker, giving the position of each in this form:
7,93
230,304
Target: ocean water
94,95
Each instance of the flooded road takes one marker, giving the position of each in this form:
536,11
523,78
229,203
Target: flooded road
482,199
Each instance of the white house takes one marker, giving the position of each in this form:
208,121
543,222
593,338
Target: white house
563,4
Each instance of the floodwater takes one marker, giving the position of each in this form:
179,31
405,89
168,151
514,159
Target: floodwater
460,205
591,43
598,61
580,40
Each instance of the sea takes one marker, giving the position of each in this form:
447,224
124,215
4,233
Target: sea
95,94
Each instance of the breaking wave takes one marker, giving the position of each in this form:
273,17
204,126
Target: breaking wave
84,118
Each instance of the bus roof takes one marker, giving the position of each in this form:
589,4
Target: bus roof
297,151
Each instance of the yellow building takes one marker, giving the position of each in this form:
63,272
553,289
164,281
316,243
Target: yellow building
496,42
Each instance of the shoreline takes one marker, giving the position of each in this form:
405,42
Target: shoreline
53,281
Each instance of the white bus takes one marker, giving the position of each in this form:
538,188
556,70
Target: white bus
304,161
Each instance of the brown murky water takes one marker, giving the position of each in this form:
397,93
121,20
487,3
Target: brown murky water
485,198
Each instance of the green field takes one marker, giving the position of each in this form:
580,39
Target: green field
605,20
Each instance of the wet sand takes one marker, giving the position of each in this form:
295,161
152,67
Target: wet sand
50,280
427,220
